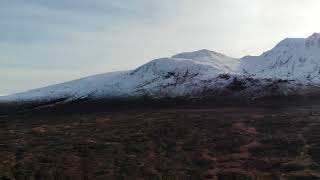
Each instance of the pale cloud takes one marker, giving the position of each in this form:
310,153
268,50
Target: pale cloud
46,42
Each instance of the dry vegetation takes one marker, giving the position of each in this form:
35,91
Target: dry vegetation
210,142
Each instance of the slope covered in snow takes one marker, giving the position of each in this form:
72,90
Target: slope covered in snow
291,67
158,78
293,58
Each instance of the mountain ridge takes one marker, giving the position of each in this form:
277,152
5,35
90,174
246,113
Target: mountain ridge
291,67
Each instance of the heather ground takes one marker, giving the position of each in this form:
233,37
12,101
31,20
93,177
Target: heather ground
268,140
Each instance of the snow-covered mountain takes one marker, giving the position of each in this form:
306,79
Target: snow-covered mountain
291,67
158,78
293,58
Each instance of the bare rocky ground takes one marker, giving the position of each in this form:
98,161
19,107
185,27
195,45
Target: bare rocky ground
267,140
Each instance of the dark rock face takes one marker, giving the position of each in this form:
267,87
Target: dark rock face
237,85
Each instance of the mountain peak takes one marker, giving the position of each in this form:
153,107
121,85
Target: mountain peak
291,43
313,41
200,54
192,73
314,36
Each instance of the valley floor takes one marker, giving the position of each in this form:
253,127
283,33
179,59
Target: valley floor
209,142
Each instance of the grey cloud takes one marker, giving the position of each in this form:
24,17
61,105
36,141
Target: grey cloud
83,37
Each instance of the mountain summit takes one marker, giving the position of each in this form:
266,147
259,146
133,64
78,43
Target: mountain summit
293,58
291,67
313,41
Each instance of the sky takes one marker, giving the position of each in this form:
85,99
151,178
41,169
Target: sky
44,42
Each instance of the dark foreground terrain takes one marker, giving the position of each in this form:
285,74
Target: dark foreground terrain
268,140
